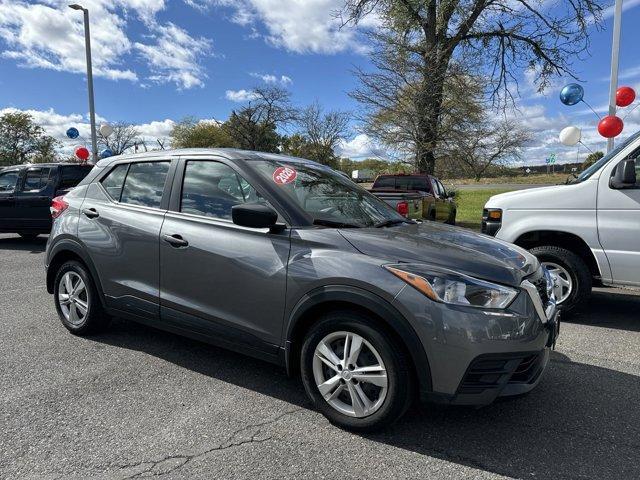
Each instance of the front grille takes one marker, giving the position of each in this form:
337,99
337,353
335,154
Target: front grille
541,287
496,371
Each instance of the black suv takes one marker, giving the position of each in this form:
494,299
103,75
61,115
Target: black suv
27,192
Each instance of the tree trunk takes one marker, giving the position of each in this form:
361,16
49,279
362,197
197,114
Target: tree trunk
430,109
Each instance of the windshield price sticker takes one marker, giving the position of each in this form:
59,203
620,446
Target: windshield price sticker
284,175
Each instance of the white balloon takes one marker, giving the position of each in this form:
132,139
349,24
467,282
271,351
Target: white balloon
106,130
570,136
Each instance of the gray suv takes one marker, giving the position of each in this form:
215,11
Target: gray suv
286,260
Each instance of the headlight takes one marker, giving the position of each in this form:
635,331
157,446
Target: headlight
454,288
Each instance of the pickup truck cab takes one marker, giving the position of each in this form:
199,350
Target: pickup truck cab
26,193
437,204
583,232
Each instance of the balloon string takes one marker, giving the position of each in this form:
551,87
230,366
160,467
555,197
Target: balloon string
580,142
596,113
630,111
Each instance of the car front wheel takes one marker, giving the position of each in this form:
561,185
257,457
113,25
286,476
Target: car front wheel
355,374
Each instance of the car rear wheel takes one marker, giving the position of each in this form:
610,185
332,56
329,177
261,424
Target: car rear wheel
355,374
77,300
570,274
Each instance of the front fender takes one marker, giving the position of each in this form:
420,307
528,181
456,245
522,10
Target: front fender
358,297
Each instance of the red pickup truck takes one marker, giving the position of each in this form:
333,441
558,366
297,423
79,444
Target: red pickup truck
437,204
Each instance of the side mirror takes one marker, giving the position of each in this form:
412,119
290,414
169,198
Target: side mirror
624,176
254,215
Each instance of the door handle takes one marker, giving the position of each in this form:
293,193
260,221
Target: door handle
175,241
90,212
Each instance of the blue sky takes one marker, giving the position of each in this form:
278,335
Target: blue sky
157,61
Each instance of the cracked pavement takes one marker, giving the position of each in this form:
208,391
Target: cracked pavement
135,402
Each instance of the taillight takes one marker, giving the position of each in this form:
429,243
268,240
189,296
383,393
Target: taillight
403,208
58,205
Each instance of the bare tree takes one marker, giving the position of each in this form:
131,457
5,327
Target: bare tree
321,130
124,137
418,42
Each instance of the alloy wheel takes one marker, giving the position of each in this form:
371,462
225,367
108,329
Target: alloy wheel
350,374
562,282
73,298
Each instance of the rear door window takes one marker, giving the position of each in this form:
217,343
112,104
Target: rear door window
36,179
144,184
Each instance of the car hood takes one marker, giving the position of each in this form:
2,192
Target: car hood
444,246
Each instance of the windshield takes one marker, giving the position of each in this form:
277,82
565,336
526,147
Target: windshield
604,160
328,197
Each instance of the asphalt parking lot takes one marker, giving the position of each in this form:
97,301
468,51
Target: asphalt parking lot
136,402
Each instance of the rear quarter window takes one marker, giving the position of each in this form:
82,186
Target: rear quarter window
72,175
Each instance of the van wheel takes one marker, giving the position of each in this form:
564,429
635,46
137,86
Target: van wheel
571,275
355,375
77,301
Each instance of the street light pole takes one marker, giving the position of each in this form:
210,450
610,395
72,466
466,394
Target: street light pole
92,109
615,56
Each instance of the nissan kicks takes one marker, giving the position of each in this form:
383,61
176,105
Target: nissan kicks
286,260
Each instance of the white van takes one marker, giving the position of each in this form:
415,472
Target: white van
583,232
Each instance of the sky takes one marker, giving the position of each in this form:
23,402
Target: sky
158,61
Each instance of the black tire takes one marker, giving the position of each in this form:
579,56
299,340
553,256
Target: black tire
95,319
578,270
400,386
29,236
452,218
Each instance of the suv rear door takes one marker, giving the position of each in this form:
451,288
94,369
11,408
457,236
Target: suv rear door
217,278
120,224
33,198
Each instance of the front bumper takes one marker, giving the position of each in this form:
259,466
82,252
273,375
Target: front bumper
476,356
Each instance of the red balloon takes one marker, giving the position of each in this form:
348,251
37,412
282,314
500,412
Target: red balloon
82,153
610,126
625,96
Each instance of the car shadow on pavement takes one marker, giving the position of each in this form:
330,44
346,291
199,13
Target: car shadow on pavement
37,245
582,421
610,308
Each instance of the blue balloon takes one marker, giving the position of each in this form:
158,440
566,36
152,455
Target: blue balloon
571,94
106,153
73,132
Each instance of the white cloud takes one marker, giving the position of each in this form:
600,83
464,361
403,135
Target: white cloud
296,25
240,95
360,147
56,125
273,79
174,56
52,37
49,35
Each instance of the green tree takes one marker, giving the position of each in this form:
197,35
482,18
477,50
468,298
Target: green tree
591,159
255,126
192,133
22,140
419,43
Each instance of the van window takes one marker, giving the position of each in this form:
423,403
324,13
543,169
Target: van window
114,181
144,184
8,181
